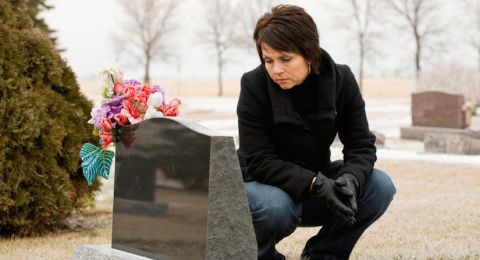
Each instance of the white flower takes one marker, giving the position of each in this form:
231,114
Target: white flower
151,113
112,75
155,100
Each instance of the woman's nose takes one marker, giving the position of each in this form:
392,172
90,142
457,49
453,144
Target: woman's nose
277,68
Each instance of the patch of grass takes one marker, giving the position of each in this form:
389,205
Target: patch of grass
434,215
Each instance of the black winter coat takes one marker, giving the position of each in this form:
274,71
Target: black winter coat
279,147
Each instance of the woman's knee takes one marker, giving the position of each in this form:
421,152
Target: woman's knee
272,209
379,188
385,186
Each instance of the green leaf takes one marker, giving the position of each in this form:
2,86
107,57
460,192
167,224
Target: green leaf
106,92
96,162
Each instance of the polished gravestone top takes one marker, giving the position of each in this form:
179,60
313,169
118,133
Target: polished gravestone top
179,194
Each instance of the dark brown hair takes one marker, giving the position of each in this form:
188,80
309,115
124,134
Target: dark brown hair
289,28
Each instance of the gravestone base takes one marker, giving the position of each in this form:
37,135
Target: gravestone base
379,139
103,252
419,132
451,143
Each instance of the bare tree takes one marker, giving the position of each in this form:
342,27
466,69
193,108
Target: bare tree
423,22
249,13
358,19
147,26
220,33
472,11
453,78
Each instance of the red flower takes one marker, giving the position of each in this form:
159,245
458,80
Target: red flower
130,93
134,112
143,97
118,88
146,89
175,102
171,111
106,124
127,104
121,119
106,138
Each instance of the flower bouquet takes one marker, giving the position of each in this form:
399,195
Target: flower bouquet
126,102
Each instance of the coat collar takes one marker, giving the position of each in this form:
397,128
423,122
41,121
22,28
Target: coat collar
282,105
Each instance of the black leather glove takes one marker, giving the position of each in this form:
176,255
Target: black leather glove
324,188
347,185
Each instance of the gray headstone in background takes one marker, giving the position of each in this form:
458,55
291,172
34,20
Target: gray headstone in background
379,139
179,194
438,109
419,132
451,143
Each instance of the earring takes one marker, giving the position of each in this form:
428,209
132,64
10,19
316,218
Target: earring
309,67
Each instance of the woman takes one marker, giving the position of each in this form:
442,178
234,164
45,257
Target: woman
290,109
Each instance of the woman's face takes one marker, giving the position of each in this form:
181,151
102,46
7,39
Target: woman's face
287,69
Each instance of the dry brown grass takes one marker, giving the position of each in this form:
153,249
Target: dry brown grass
435,214
59,245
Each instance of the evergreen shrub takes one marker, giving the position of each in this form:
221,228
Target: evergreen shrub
43,119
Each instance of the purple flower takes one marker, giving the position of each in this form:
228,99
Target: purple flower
112,107
114,101
97,115
132,82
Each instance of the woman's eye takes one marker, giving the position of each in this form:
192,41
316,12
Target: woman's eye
286,58
268,61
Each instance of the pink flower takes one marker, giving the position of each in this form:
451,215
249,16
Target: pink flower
106,138
172,111
143,97
121,119
127,104
134,112
106,124
175,102
130,92
131,118
143,107
118,88
163,107
168,110
146,89
134,107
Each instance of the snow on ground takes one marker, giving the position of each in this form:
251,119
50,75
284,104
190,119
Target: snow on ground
406,155
385,116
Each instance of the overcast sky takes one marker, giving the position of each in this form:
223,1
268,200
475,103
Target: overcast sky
85,28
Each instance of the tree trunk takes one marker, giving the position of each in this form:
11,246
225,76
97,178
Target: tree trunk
417,56
362,58
146,78
478,57
220,70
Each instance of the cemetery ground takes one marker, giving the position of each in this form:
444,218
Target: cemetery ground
434,214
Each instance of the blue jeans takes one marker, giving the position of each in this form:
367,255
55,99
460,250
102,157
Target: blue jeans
275,216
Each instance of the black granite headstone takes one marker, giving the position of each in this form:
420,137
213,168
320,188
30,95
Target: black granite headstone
179,194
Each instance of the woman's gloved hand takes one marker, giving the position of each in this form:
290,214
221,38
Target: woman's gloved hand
325,189
347,186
